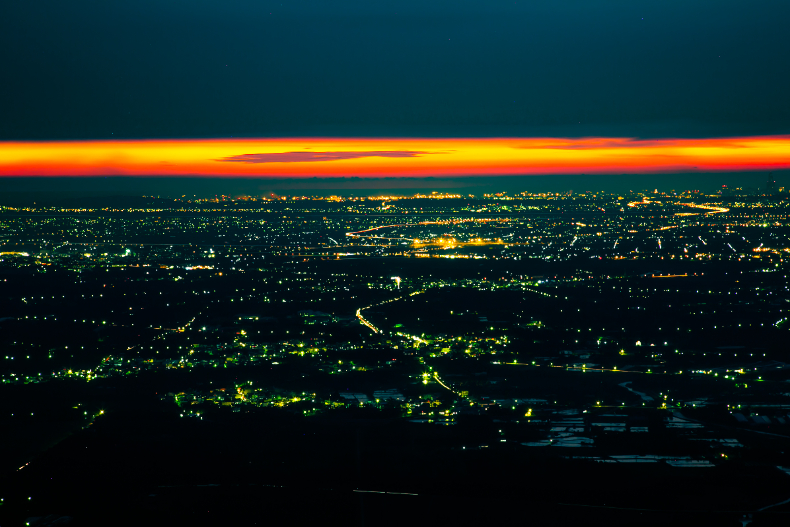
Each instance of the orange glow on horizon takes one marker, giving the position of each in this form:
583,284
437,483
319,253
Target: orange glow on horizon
396,157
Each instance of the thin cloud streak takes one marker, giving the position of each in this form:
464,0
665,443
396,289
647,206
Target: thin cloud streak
627,142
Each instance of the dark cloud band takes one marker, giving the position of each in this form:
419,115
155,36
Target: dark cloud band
301,157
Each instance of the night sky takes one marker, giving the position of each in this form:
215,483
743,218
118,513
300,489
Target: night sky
307,68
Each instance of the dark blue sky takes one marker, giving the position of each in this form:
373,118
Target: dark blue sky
98,69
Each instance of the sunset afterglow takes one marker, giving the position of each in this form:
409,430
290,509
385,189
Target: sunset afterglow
349,157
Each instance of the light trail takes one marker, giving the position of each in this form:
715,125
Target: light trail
710,208
371,326
365,322
437,379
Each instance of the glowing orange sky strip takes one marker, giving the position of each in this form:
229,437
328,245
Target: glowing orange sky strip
346,157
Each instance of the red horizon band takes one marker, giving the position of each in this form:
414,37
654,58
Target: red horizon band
391,157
